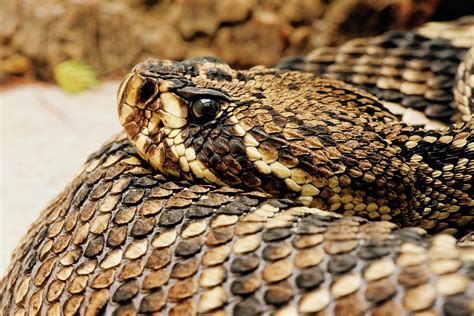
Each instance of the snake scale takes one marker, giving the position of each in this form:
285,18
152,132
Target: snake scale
270,191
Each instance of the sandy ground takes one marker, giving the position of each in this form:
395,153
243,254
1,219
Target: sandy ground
46,135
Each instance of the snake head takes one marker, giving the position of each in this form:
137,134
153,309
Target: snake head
281,132
177,120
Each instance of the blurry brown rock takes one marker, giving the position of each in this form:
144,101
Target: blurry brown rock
36,35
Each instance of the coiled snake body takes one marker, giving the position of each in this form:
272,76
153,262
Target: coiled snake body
238,206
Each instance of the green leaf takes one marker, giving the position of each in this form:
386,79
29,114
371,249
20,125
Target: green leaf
74,76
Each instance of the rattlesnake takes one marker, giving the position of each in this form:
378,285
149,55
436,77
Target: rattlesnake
222,195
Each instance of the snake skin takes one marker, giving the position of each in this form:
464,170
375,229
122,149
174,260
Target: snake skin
413,69
124,239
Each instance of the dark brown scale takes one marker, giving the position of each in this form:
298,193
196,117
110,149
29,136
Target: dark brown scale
184,269
143,227
276,234
94,247
188,247
380,290
245,263
171,218
342,263
116,236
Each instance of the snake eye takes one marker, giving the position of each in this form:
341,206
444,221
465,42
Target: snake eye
205,110
147,90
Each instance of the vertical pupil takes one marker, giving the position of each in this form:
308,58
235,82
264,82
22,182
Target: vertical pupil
146,91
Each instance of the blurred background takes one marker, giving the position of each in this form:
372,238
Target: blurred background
60,62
